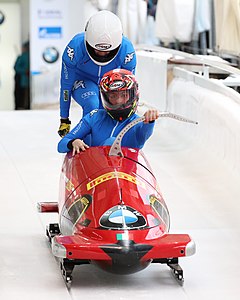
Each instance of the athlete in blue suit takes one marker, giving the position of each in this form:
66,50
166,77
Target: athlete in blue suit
119,93
89,55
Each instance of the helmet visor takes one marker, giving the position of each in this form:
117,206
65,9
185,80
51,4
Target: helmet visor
117,100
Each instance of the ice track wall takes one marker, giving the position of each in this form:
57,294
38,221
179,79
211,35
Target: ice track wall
215,107
208,101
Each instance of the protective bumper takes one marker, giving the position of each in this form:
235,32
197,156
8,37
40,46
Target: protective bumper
167,246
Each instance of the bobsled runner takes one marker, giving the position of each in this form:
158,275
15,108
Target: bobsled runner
112,213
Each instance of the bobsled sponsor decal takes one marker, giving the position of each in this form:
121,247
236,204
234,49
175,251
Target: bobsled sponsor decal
68,184
159,208
123,236
113,175
122,216
78,208
118,215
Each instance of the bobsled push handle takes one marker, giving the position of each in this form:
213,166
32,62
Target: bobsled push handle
115,149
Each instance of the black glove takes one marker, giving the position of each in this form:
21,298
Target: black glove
64,127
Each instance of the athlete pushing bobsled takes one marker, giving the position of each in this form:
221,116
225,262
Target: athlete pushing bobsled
120,95
100,48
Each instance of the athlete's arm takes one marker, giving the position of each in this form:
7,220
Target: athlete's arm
79,132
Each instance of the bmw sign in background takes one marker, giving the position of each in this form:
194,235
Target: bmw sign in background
49,36
50,55
2,17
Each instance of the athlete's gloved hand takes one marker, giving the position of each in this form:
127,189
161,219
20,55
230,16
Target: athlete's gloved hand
64,127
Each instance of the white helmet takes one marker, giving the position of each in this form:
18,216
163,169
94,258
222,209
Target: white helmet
103,32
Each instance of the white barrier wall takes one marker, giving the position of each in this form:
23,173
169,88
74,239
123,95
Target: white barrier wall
215,107
151,73
208,101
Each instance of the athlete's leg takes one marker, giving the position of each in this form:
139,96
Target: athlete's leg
86,94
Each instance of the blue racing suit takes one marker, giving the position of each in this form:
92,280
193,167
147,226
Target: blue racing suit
80,76
103,130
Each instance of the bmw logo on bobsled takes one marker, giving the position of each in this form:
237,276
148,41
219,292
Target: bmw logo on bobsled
112,214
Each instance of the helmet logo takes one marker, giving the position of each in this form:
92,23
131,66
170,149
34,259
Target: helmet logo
103,46
116,85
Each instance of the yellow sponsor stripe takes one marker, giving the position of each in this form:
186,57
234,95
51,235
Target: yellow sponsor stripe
112,175
68,184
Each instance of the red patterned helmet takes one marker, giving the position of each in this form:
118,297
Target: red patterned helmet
119,93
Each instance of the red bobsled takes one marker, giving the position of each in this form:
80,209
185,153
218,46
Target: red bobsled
112,214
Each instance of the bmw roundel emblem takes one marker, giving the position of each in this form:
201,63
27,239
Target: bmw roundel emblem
122,216
50,55
2,17
118,215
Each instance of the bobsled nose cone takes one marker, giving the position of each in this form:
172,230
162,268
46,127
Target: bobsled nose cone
126,257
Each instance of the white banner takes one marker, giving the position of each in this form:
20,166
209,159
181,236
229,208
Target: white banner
48,38
10,48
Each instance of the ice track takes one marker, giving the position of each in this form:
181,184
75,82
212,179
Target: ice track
202,196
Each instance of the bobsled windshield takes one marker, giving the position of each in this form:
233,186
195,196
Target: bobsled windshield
137,211
113,193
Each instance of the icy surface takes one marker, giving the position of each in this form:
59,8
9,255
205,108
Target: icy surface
201,193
